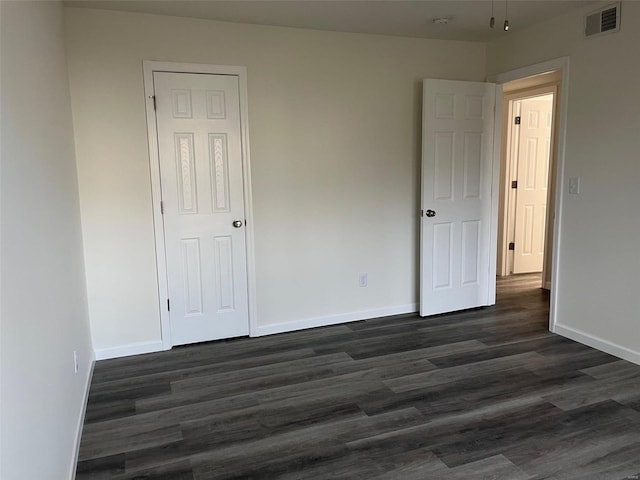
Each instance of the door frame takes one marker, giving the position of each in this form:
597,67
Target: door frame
560,64
149,67
508,214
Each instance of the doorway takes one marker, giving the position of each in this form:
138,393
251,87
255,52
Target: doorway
443,107
527,186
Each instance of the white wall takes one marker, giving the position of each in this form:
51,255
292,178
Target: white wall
600,230
335,136
44,309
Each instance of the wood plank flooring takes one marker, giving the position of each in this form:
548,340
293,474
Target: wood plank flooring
482,394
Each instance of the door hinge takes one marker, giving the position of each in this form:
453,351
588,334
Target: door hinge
161,207
514,184
153,97
422,213
517,122
512,246
168,305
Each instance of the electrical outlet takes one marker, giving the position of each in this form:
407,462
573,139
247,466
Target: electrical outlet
362,279
75,361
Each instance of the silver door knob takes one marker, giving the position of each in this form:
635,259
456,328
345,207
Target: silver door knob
430,213
237,223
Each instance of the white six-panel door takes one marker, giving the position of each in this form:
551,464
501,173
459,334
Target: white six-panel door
534,150
457,151
199,143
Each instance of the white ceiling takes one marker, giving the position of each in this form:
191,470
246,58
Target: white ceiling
408,18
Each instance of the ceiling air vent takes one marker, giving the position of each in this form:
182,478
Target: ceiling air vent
605,20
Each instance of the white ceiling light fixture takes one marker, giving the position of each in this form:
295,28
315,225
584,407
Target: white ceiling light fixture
441,20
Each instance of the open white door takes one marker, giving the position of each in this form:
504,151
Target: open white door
457,153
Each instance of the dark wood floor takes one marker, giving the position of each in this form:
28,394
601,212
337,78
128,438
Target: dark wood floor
484,394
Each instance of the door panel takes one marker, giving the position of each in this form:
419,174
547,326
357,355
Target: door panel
456,184
534,150
198,121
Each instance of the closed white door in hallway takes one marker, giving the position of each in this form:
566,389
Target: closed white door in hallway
534,150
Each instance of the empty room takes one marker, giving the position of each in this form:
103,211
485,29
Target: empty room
317,239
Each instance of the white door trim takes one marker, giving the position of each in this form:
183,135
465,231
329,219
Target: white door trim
561,64
154,163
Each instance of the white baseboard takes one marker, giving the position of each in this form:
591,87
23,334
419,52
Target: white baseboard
127,350
334,319
598,343
83,412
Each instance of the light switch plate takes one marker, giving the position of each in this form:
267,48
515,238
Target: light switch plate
574,185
